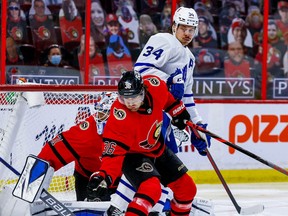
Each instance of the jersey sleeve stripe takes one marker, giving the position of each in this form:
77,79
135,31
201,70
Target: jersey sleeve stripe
75,155
190,104
188,95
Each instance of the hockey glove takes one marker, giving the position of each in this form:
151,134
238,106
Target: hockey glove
200,140
97,188
176,85
179,114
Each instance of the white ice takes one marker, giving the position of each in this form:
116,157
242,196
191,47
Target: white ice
274,197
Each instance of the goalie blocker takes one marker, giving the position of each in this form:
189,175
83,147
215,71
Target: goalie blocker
36,176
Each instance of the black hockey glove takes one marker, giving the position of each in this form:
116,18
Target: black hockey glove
97,189
179,114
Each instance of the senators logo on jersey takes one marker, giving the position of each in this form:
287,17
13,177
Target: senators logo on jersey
84,125
119,114
152,136
154,81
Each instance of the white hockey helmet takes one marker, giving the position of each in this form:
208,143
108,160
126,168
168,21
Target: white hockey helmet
186,16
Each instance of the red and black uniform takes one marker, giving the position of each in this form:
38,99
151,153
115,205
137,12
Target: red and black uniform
43,33
133,140
82,144
17,30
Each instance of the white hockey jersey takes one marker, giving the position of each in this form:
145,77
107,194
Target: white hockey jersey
161,56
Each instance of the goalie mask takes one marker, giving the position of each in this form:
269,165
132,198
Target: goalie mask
186,16
102,108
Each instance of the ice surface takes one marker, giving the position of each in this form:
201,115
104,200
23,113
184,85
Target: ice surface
274,197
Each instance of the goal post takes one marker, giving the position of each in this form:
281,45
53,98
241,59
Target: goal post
32,115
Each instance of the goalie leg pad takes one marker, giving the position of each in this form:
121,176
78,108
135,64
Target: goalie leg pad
12,206
36,176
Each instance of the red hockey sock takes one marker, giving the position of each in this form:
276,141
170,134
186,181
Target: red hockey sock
184,191
145,198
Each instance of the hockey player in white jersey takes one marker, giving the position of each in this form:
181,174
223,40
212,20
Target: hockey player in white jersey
167,56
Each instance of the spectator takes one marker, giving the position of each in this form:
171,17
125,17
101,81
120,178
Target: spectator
118,56
276,48
13,58
204,37
282,23
285,64
54,57
53,2
239,32
276,41
147,29
128,19
16,23
254,20
166,18
239,5
70,24
238,65
114,28
96,62
227,14
13,55
201,10
42,27
98,25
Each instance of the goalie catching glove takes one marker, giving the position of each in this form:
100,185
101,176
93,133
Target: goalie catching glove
179,114
97,188
200,140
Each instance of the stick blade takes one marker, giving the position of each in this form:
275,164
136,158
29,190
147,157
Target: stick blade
252,210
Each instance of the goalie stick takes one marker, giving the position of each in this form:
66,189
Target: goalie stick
46,197
241,210
244,151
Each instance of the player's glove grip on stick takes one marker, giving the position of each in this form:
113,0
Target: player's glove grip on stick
97,188
200,140
179,114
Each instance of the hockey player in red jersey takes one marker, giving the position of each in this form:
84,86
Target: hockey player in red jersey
133,144
82,143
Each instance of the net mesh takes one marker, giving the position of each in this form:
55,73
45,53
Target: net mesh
29,120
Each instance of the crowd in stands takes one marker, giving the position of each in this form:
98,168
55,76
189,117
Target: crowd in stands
120,28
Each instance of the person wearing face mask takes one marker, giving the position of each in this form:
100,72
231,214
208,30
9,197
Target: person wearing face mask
54,58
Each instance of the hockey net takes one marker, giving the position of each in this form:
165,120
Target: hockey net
29,119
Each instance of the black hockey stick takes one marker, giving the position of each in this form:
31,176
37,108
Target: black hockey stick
46,197
244,151
241,210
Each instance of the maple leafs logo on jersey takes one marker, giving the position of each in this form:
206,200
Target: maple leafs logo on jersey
152,136
119,114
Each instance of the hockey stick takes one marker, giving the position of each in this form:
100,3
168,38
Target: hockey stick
244,151
46,197
241,210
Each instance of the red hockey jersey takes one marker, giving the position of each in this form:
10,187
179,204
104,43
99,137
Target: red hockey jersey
136,132
81,143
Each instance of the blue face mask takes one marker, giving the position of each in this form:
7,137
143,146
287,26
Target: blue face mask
56,59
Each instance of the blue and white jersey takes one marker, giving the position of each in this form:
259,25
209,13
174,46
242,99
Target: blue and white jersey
162,55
